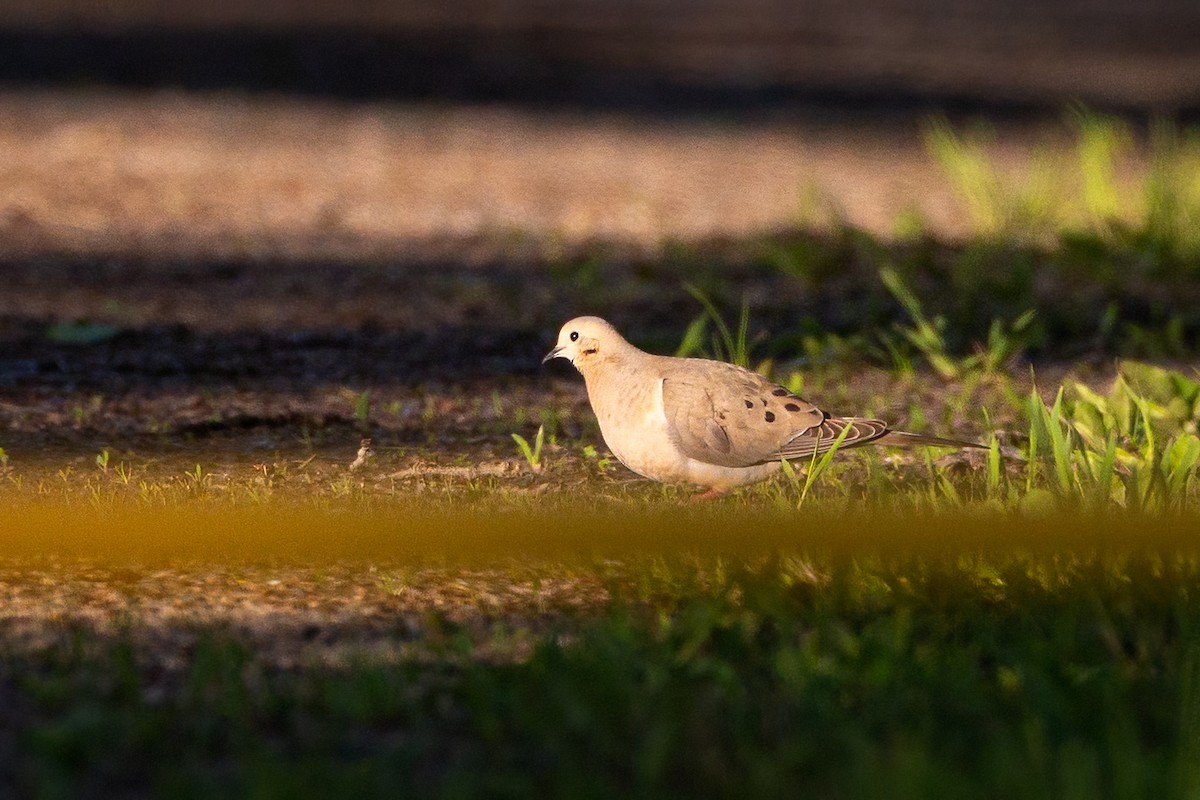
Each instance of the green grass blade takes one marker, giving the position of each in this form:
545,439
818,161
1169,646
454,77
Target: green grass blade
692,343
537,444
1048,425
724,334
740,348
1033,410
817,467
1180,460
1060,443
995,467
1105,469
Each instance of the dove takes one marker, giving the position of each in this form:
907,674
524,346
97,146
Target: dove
704,422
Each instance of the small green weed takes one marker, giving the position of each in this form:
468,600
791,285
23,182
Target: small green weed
1020,207
362,410
818,465
591,454
1156,212
532,454
1125,449
726,344
1004,342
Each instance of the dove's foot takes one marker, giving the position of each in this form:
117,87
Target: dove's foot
711,494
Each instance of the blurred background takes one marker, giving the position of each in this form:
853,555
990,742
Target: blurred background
462,176
310,127
642,53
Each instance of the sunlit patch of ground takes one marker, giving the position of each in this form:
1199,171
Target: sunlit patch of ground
163,172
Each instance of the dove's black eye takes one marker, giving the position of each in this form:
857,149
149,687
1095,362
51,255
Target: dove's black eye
574,336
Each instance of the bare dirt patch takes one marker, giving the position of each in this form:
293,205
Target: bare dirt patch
263,177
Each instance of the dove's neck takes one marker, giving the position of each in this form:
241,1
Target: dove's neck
612,365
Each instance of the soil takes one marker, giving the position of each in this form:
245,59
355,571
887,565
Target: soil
289,617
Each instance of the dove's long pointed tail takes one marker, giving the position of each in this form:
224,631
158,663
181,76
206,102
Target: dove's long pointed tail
906,439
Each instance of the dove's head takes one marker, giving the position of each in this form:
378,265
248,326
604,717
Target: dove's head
585,340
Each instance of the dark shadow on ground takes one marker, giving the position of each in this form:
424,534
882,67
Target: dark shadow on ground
522,66
355,65
196,346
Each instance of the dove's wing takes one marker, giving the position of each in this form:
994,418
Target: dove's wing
720,414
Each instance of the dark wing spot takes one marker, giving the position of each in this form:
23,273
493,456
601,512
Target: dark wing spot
769,417
780,392
749,404
764,401
792,407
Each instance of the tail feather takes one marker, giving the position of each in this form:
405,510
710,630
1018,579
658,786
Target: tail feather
906,439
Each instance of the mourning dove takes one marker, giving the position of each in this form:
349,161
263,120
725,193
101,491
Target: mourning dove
704,422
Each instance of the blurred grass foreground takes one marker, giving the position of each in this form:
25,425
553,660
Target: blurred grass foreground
699,655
